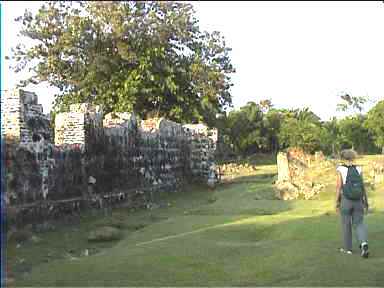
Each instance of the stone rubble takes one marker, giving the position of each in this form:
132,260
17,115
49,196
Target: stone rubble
377,171
235,168
294,169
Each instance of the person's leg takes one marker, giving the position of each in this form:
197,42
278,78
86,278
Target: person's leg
346,223
358,222
360,228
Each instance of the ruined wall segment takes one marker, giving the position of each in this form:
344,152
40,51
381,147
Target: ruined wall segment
162,153
120,152
296,171
27,135
202,143
79,125
124,157
23,120
69,128
377,168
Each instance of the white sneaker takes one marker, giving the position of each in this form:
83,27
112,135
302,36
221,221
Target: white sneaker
342,250
364,250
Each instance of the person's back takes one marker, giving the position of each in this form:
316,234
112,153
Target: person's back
351,200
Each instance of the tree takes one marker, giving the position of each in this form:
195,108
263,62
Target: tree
375,123
301,128
146,57
331,138
245,128
351,103
271,127
354,134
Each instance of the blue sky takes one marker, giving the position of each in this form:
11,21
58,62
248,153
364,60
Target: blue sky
295,53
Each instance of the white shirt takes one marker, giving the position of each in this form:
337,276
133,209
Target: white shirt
344,171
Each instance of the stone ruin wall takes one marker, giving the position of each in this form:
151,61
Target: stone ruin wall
377,171
23,120
162,150
202,148
295,174
127,157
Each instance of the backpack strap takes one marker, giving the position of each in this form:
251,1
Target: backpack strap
348,166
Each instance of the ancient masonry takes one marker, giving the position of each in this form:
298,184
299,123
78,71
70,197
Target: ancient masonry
95,159
22,117
377,171
296,171
203,146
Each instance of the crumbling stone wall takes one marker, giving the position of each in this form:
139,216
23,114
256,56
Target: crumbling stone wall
83,124
162,149
119,164
27,134
124,157
23,120
202,141
294,174
377,171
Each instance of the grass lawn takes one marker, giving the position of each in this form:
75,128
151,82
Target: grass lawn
237,235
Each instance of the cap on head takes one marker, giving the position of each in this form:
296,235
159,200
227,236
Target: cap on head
348,155
91,180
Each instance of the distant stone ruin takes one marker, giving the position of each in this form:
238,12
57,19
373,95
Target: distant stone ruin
295,170
377,172
127,159
23,120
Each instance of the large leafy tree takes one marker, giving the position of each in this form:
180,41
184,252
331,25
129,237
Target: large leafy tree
245,128
331,140
354,135
147,57
272,122
303,129
375,124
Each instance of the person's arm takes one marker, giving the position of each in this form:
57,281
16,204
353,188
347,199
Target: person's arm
339,187
365,197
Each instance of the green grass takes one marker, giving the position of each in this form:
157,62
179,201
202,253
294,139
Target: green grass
238,235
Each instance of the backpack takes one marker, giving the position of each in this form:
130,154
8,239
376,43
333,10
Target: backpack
353,188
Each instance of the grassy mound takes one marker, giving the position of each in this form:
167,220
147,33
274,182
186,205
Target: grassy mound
105,233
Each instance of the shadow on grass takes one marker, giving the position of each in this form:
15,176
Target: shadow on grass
247,252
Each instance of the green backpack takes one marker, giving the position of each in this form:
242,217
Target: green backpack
353,188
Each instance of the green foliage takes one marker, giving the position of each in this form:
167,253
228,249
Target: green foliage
375,123
128,56
271,125
254,129
351,103
303,130
353,134
244,128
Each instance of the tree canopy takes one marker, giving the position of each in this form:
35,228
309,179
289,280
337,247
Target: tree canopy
254,129
375,123
151,57
141,56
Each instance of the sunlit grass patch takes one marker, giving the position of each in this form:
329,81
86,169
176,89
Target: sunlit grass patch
236,235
